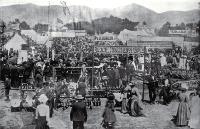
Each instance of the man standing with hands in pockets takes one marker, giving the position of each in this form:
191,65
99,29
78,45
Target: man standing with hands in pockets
78,113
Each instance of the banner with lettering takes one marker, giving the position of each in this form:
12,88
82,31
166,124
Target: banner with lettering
118,49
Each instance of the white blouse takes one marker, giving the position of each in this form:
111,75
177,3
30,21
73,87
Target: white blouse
43,110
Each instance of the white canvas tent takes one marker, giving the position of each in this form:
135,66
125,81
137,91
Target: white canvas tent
15,43
38,38
126,35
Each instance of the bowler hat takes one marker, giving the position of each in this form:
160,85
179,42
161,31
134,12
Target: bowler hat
79,97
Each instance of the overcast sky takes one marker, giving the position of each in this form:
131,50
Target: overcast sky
156,5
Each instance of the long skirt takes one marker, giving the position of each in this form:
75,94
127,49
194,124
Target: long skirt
124,105
41,123
135,108
195,113
183,114
109,116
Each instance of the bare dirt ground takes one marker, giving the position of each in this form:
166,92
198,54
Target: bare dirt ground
157,117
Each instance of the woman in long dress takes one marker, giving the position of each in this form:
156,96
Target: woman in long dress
135,101
126,93
109,117
183,111
42,113
194,122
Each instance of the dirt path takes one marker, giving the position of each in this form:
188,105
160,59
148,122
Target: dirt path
157,117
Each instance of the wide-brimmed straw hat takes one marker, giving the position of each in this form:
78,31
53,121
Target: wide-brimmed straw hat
79,97
43,98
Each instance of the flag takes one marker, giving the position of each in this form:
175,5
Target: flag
59,20
65,8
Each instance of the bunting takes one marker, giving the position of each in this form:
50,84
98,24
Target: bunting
65,8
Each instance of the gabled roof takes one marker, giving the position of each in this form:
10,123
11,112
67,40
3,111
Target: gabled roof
15,42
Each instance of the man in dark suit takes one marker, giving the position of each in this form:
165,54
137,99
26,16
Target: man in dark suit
78,113
129,69
152,86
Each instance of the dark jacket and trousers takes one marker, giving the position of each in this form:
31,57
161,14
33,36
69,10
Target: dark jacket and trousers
152,86
78,115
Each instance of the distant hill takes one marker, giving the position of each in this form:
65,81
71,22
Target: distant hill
176,17
34,14
135,13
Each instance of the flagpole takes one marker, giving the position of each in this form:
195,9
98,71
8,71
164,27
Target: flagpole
48,12
48,48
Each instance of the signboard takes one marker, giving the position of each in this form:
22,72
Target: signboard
152,44
191,33
118,49
26,87
182,32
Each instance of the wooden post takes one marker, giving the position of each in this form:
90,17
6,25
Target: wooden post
144,75
92,70
126,68
48,53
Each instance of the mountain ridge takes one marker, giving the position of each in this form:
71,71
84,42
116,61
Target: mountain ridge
34,14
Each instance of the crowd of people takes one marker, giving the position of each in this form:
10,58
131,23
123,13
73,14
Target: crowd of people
119,71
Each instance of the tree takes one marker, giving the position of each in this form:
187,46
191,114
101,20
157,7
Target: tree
105,24
144,23
2,27
197,49
190,25
24,26
41,27
182,26
17,20
164,31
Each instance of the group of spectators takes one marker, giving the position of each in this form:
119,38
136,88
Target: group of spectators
74,52
109,71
